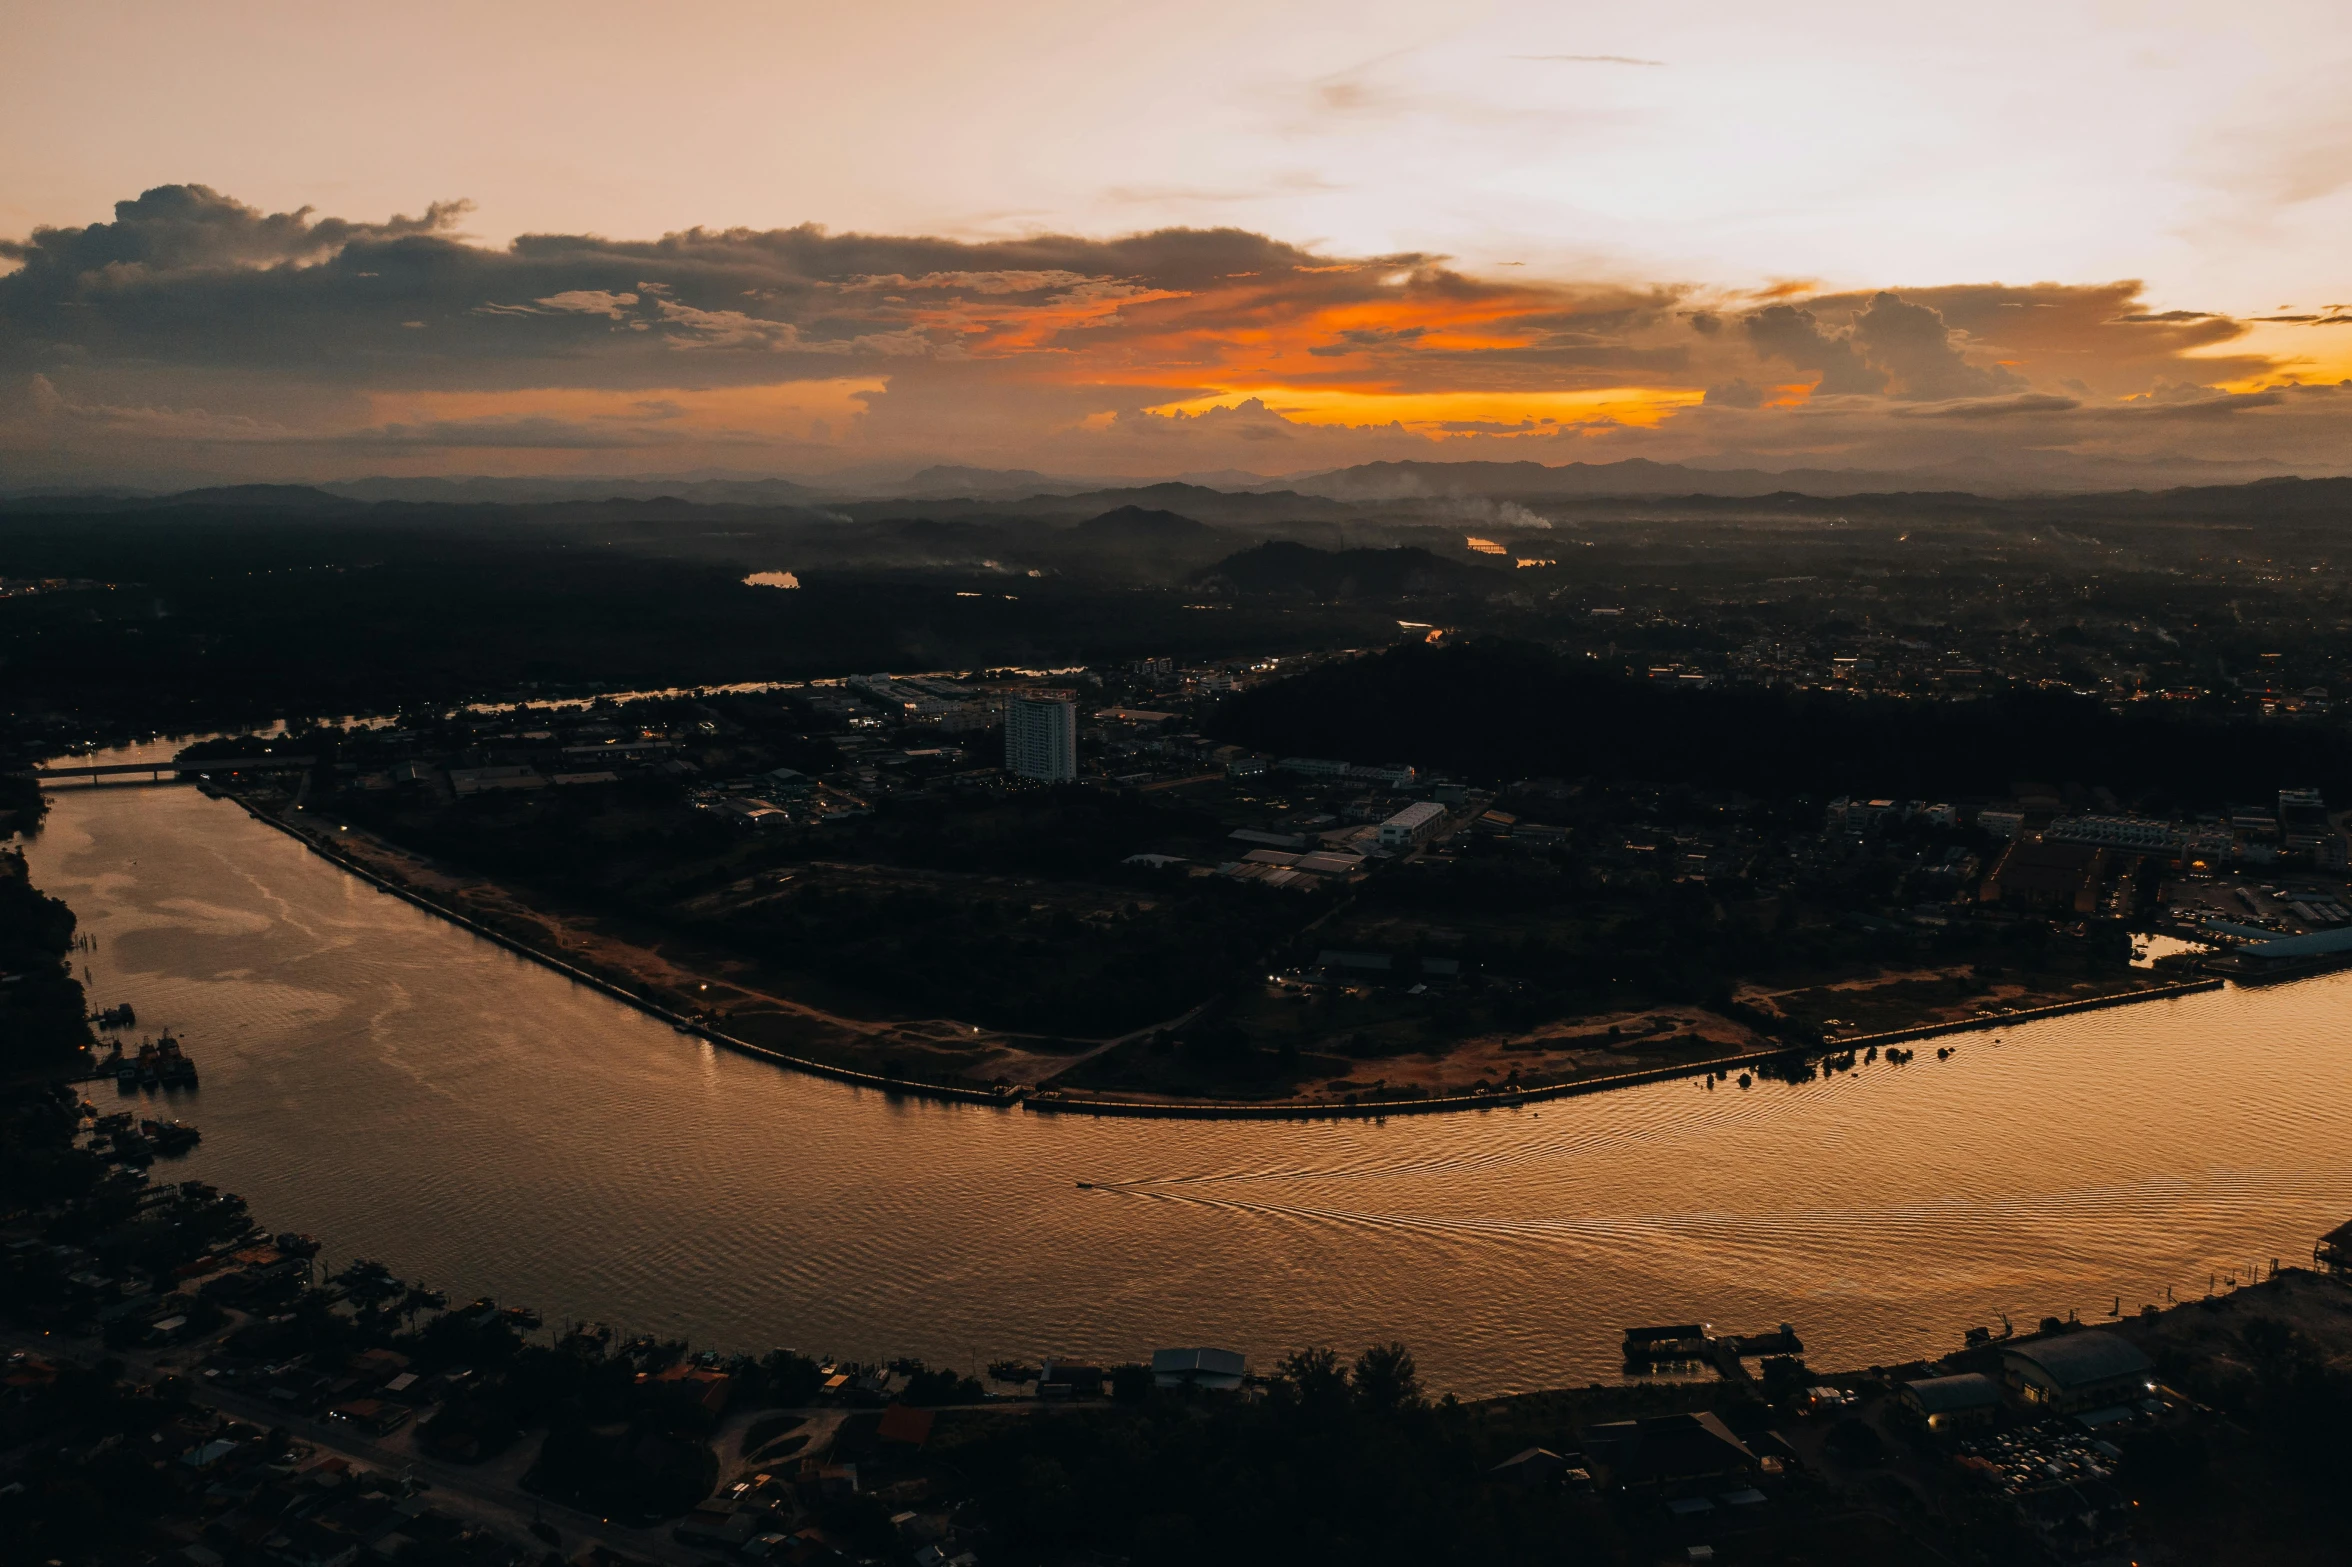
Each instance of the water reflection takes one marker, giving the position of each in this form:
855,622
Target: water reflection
410,1093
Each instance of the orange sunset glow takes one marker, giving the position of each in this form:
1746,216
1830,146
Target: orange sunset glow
1526,230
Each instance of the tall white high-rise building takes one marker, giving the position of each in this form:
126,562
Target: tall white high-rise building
1041,736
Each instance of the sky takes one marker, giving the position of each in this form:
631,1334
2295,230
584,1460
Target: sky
2094,242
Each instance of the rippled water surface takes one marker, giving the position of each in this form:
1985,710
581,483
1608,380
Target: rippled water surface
408,1092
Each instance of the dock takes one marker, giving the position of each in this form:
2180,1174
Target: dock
1697,1343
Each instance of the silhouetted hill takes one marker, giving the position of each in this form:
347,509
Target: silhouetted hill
526,492
950,480
1284,567
273,495
1134,525
1510,710
1377,481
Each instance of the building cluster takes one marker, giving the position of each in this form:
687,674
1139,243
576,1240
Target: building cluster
2043,1433
223,1492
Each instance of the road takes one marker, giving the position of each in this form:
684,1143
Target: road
488,1494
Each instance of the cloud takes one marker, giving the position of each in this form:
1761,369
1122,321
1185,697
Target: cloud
181,227
192,320
2024,403
1914,345
1795,334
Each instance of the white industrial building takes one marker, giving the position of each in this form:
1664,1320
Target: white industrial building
1041,737
1412,824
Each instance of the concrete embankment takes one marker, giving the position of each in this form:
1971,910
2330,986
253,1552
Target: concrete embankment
1297,1110
1061,1103
619,991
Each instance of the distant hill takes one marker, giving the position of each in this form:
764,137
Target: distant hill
526,492
1378,481
298,495
1216,508
1142,525
1157,516
1283,567
953,480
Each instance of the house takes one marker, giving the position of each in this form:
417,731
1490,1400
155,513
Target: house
1661,1449
2074,1372
1222,1369
376,1366
1060,1379
2333,1254
685,1386
372,1415
1529,1468
1954,1403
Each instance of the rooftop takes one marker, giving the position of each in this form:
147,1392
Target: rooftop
1951,1395
2080,1359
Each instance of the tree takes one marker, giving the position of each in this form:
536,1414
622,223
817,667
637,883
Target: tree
1387,1381
1317,1379
369,1284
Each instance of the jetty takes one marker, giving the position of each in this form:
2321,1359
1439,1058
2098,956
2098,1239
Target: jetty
1697,1343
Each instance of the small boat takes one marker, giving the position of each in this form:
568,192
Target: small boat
170,1137
295,1244
1086,1186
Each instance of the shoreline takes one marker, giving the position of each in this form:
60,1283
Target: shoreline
1061,1102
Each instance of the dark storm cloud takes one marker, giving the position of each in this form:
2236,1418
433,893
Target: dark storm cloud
1891,345
295,344
174,227
186,276
1912,343
1795,334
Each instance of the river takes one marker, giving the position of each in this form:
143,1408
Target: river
409,1092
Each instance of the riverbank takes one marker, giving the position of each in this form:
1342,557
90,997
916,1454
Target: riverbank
518,1426
558,1145
392,871
619,990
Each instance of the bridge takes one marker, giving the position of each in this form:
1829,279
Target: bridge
171,770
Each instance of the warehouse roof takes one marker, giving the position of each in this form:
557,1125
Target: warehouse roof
2080,1359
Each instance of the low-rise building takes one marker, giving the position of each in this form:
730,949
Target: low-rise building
1955,1403
1222,1369
1664,1449
2073,1372
2119,832
2043,874
481,780
1412,824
